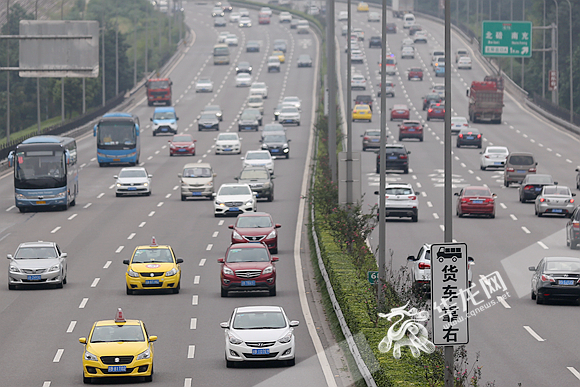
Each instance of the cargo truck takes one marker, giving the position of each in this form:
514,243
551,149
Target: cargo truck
402,7
486,100
159,91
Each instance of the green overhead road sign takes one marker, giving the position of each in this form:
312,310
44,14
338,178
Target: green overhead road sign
507,38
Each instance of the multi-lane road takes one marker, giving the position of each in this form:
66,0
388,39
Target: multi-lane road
41,327
519,341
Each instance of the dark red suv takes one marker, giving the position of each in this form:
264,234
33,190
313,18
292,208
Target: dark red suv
248,267
411,129
256,227
436,110
415,73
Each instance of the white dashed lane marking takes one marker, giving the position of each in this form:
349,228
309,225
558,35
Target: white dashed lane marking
119,249
193,323
196,280
95,282
72,216
526,230
54,230
107,264
83,303
194,300
534,334
191,352
71,326
202,262
209,247
58,355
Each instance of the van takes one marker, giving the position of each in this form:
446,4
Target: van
437,52
256,102
517,166
302,27
408,20
438,61
164,120
196,180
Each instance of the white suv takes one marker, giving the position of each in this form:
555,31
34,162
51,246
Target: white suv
285,17
234,199
259,158
257,102
259,88
401,201
421,270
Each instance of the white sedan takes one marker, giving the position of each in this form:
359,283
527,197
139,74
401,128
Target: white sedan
243,80
228,143
259,88
245,22
235,17
222,36
133,181
204,85
250,327
292,100
343,16
234,199
458,123
259,158
231,40
464,63
493,157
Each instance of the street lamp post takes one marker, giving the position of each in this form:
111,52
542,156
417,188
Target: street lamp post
571,70
556,92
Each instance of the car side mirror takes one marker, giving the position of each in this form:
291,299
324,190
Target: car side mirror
260,140
480,153
220,260
64,255
176,118
278,225
179,260
410,258
214,175
83,340
494,195
115,176
294,323
417,193
150,118
125,261
531,268
272,177
179,175
555,183
470,260
408,152
455,194
231,226
213,194
573,194
288,140
225,325
275,259
150,176
152,338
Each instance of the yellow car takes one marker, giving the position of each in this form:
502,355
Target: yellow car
153,267
117,348
362,112
362,7
280,55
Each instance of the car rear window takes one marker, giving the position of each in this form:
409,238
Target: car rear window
556,191
521,160
399,191
476,192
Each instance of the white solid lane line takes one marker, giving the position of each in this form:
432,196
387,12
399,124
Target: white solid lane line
95,282
196,280
503,302
543,245
55,230
83,303
209,246
191,352
193,323
58,355
71,326
526,230
119,249
534,334
107,264
574,372
202,262
72,216
131,236
194,300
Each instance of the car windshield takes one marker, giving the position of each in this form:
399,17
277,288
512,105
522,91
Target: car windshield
236,190
117,333
259,86
227,137
275,138
254,174
207,116
439,87
204,81
303,58
212,108
259,320
539,179
244,76
133,173
164,116
374,133
152,255
399,191
254,221
289,110
255,254
182,139
248,116
470,131
556,191
562,266
158,84
476,192
197,172
457,120
255,99
273,128
413,124
258,156
35,253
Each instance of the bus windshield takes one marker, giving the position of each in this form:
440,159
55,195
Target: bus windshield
39,169
116,135
221,51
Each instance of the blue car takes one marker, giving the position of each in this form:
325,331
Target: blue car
164,120
440,71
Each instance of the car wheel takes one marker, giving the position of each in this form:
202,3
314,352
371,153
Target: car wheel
506,183
458,145
148,379
428,119
573,245
482,167
492,216
400,138
539,214
533,295
154,134
460,214
64,280
128,290
421,138
272,291
415,218
148,193
176,289
271,197
224,292
406,170
479,146
274,250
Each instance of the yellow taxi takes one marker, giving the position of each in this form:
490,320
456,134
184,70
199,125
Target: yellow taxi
280,55
362,7
118,348
362,112
153,267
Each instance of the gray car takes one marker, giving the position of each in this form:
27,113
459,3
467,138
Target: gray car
517,166
277,144
555,199
259,180
304,60
248,121
371,139
556,278
37,263
208,120
196,181
216,109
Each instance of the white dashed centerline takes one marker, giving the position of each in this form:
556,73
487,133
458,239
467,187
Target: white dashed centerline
88,205
142,224
151,213
119,249
71,326
574,372
513,217
503,302
58,355
95,282
72,216
526,230
131,236
215,234
193,323
543,245
196,280
107,264
55,229
534,334
83,303
194,300
191,352
202,262
209,247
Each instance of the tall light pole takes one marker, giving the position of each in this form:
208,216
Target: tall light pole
349,109
62,79
8,73
383,166
512,59
571,71
116,52
544,54
555,67
523,63
332,77
146,39
103,49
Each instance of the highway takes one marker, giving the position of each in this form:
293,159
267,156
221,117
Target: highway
41,327
519,341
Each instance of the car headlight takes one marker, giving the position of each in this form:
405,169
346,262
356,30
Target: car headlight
131,273
228,271
250,203
264,146
14,269
90,356
145,184
234,340
268,270
218,114
54,268
218,203
61,194
146,354
236,235
118,185
271,235
286,338
210,184
171,272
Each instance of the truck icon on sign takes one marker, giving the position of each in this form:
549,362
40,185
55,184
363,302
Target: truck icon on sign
452,253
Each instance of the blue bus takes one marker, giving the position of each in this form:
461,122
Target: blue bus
118,140
46,172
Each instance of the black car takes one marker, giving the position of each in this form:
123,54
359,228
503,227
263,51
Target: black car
277,144
532,185
208,120
364,100
414,28
304,60
253,46
431,98
556,278
469,137
397,158
391,28
259,180
280,45
573,229
375,41
244,67
248,121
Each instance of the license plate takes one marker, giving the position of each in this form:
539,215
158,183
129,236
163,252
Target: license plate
411,130
400,111
392,157
132,188
249,283
477,201
116,159
234,209
151,282
228,150
274,150
373,140
521,171
497,163
117,368
196,194
182,150
556,210
469,137
565,282
248,128
41,202
35,277
164,130
261,351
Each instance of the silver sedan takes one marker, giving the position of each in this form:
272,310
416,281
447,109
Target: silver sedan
493,157
37,263
555,199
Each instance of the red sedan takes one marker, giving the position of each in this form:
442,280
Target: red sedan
256,227
182,144
248,267
436,110
475,200
400,112
415,73
411,129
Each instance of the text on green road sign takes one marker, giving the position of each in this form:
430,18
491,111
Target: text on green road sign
507,38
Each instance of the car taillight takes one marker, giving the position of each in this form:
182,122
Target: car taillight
424,266
430,110
366,137
487,156
576,224
465,125
509,169
571,201
489,200
460,135
547,278
532,170
542,200
402,156
528,187
479,136
412,197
